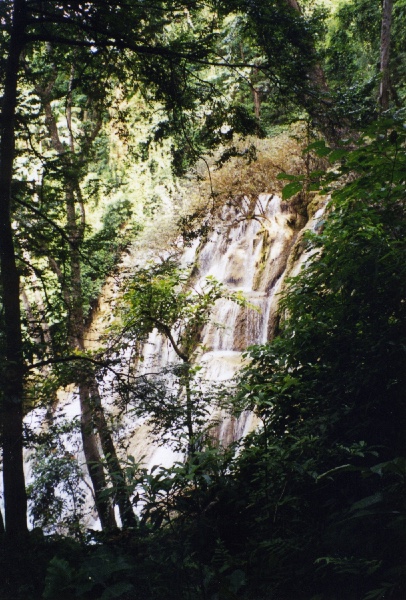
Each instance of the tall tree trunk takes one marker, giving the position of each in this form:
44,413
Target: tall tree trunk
2,530
117,476
385,48
189,411
92,414
257,102
93,460
76,342
12,367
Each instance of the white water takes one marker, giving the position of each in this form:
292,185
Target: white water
249,255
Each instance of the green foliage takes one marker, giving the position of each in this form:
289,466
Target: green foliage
57,494
352,58
105,248
330,389
59,578
162,296
100,575
311,505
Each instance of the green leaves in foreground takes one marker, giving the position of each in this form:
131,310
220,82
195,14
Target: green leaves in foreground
325,475
378,155
102,573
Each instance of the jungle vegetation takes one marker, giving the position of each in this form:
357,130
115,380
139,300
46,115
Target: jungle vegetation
107,108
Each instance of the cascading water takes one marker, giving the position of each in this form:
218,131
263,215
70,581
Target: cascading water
248,251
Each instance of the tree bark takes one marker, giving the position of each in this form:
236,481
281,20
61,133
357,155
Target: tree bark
117,476
189,412
12,367
257,102
385,48
93,460
92,414
72,292
2,530
295,5
76,342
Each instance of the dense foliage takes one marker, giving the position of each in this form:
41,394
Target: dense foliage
330,392
310,505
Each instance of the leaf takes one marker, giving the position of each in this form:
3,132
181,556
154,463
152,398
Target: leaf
291,189
379,593
117,590
397,465
368,501
237,580
286,176
337,154
319,148
340,469
59,577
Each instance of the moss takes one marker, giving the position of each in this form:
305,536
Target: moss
263,258
315,203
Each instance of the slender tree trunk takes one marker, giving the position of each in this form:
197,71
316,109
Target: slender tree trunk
12,367
185,381
385,48
257,102
189,411
116,473
93,460
73,293
2,530
76,342
89,438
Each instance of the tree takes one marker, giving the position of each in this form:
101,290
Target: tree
162,297
387,7
362,38
330,390
12,363
285,40
70,24
70,167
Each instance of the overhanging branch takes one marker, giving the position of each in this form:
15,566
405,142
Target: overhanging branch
144,50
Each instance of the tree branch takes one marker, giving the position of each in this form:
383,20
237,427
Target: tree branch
47,219
145,50
167,331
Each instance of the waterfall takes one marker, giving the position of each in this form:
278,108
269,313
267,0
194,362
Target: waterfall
252,249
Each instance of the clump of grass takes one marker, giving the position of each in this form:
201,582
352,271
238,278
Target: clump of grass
256,165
